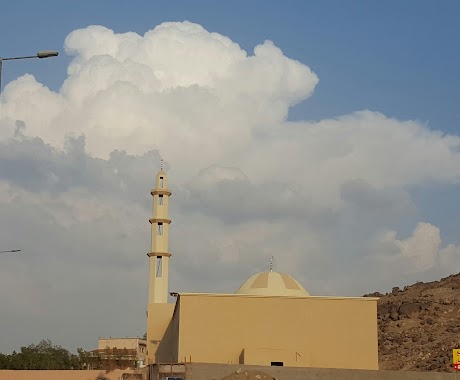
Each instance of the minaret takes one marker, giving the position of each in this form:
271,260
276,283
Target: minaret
159,254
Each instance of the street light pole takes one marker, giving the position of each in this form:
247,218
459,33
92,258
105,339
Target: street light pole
11,250
40,54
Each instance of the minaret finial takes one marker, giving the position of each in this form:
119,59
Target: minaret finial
271,264
161,164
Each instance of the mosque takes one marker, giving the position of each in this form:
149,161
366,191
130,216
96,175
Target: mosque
271,320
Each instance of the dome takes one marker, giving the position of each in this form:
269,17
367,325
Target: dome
272,284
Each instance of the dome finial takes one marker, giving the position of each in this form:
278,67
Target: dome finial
271,264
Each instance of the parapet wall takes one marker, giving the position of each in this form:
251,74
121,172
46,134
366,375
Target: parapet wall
203,371
61,374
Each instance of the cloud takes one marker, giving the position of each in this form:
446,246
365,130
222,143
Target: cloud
449,257
416,254
331,200
178,85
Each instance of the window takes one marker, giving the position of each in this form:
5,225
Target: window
277,364
159,266
160,199
160,228
161,182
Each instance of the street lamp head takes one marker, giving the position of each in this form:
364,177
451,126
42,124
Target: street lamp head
47,54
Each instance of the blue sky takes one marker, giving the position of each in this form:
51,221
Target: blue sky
336,149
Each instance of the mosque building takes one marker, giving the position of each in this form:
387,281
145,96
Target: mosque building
271,320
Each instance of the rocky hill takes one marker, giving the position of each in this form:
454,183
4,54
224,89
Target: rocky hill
419,325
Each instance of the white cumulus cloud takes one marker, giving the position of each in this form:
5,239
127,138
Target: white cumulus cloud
329,199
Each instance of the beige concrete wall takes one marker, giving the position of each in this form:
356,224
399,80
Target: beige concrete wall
300,332
202,371
258,356
158,318
60,375
168,348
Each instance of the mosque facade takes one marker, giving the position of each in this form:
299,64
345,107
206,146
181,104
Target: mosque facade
271,320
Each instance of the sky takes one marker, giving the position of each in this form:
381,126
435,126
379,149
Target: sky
322,133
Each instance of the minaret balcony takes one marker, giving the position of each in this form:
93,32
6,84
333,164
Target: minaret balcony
160,191
159,220
159,254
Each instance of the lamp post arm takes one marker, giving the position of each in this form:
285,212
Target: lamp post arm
12,58
40,55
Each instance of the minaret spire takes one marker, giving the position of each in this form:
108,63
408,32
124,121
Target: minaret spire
271,264
159,254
